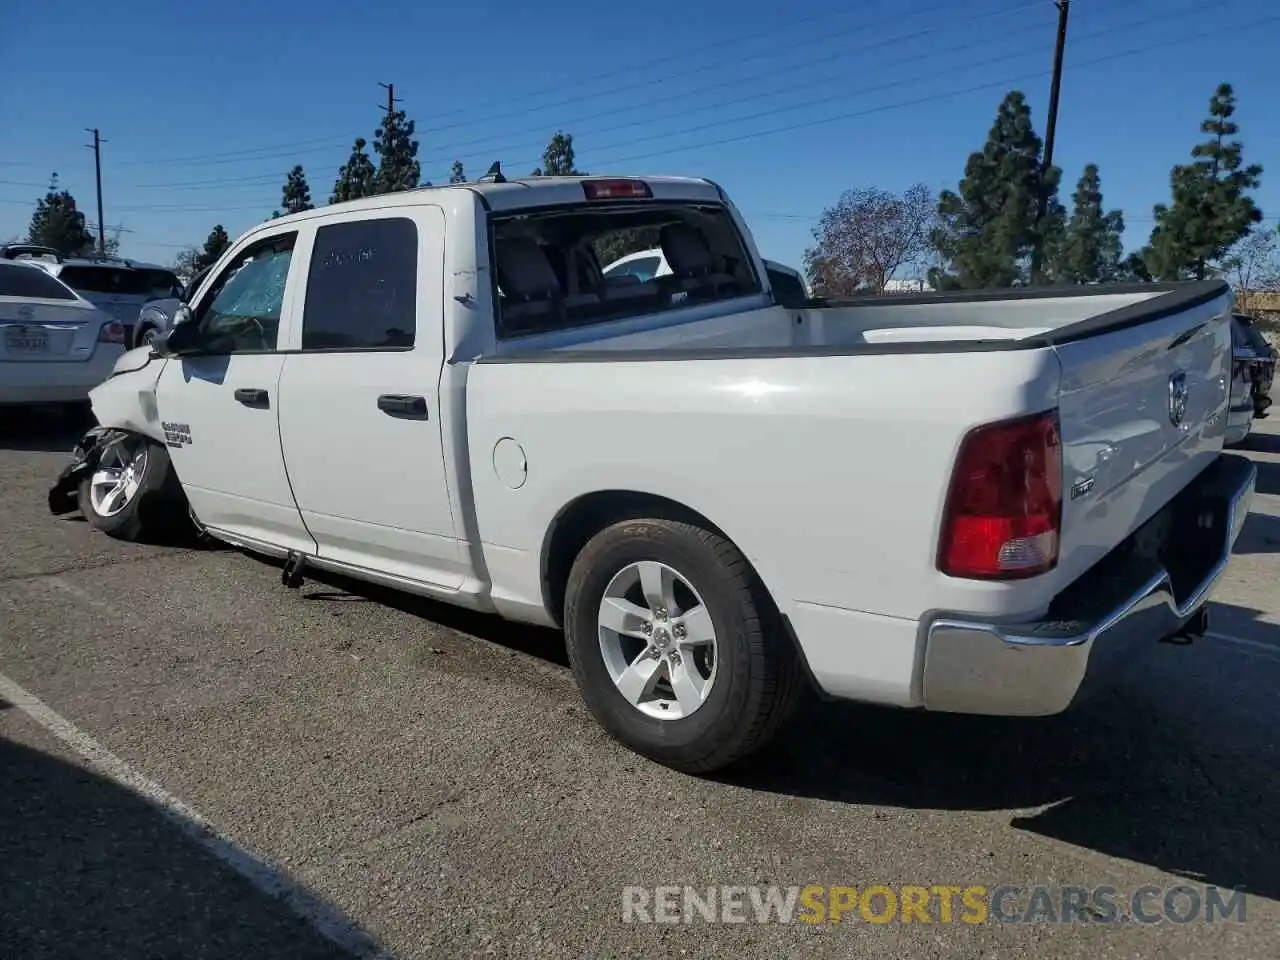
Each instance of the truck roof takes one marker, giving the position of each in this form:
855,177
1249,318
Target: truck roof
516,194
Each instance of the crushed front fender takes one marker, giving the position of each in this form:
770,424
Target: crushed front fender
84,460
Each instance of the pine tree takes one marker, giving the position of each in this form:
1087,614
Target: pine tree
1211,209
456,175
215,245
295,194
397,152
558,159
57,223
991,229
1089,248
355,177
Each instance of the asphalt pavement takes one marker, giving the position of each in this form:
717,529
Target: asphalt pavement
198,762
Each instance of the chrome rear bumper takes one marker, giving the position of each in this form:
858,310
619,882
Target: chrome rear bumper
1037,669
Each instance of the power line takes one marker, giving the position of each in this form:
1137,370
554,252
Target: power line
844,94
917,101
289,150
449,158
950,94
648,62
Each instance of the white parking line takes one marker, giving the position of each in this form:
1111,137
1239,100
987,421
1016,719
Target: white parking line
1261,645
262,875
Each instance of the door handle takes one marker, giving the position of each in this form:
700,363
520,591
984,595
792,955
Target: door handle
253,398
403,405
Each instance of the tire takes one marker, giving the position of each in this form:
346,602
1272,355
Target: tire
144,336
756,678
156,510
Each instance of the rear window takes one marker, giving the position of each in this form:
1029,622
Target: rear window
160,284
787,289
548,265
118,280
30,283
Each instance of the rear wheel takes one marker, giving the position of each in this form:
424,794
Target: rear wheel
675,644
133,493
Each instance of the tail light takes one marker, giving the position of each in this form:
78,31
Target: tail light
616,190
1004,509
112,332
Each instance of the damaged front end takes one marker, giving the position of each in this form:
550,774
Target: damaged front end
64,494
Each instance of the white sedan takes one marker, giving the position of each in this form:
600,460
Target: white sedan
786,282
55,346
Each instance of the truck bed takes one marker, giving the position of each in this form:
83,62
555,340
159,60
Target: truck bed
934,322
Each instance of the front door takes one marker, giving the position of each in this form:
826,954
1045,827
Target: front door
220,408
359,412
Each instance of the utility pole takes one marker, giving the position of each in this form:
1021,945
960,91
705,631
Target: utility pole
96,146
391,97
1064,8
1051,126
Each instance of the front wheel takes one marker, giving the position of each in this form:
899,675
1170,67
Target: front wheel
133,493
675,645
146,337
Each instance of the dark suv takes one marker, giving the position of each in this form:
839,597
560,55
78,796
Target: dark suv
1257,357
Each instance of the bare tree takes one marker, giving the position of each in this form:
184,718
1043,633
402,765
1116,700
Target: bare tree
862,241
1253,265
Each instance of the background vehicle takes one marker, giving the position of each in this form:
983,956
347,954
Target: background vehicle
1241,407
787,283
156,317
120,287
438,390
1260,367
55,346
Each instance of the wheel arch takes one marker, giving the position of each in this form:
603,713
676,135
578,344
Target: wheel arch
586,515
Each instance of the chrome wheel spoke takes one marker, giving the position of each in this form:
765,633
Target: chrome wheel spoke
624,617
657,580
695,628
639,679
688,685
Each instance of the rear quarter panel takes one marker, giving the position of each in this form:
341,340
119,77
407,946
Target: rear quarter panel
828,472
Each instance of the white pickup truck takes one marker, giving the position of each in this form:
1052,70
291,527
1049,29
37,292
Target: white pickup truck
958,503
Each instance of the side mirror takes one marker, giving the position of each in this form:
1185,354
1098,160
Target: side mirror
182,338
182,315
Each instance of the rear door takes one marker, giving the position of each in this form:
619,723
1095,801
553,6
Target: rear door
41,321
1143,410
360,418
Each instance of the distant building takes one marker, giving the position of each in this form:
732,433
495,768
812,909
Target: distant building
918,285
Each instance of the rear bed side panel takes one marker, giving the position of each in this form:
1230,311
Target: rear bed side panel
1123,456
828,472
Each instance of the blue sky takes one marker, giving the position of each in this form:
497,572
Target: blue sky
205,108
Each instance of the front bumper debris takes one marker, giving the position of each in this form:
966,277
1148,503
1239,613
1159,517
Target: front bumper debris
64,494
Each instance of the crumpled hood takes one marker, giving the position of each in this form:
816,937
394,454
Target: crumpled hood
131,360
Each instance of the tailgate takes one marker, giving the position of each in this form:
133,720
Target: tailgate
1143,409
38,331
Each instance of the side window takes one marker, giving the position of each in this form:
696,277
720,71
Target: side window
241,311
362,287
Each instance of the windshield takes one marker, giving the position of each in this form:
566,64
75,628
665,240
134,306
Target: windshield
30,283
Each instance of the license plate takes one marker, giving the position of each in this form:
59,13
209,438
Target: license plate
29,342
